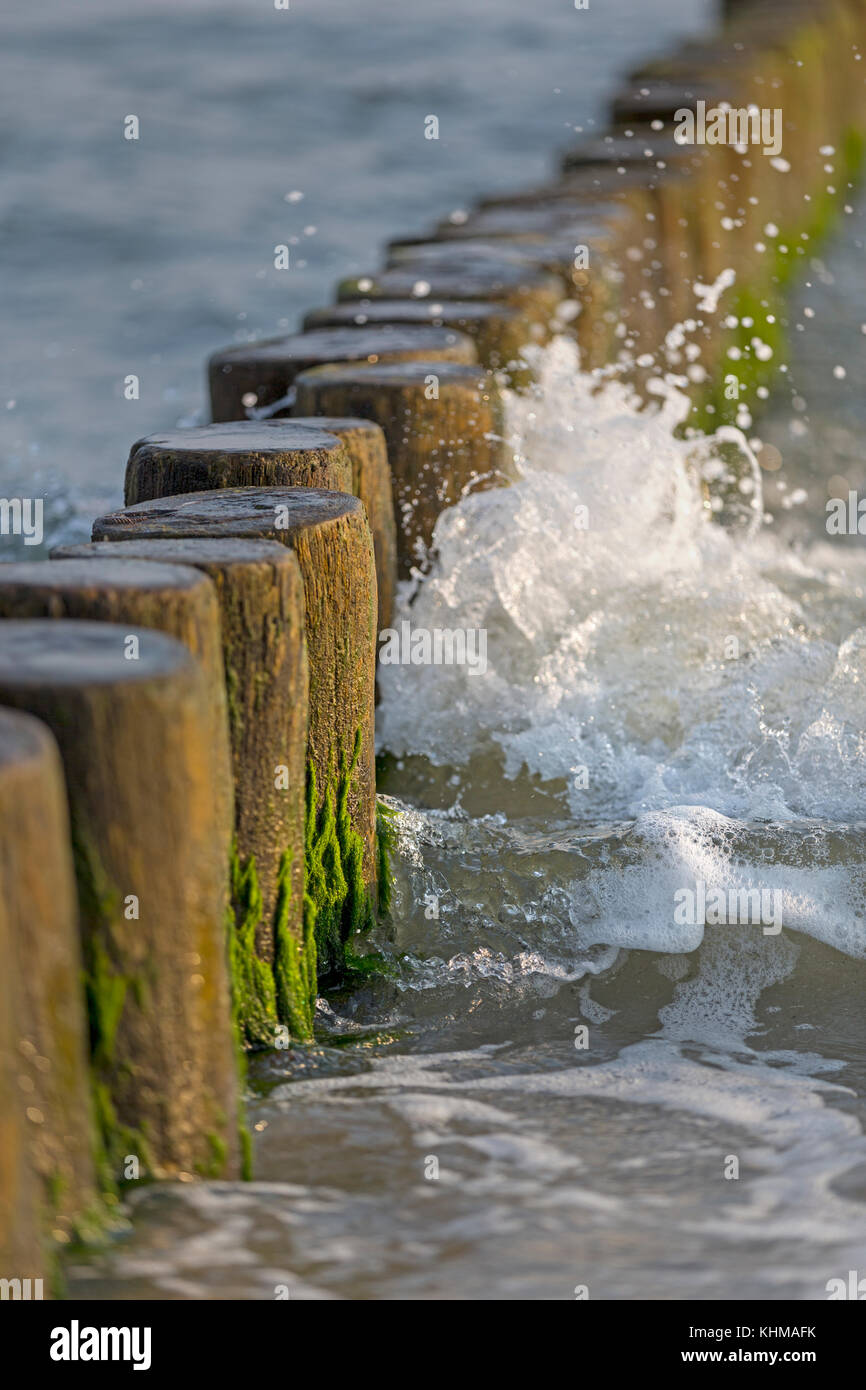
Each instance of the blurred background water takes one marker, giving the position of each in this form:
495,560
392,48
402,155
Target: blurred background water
141,257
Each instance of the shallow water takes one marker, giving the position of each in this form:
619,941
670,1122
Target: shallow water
669,699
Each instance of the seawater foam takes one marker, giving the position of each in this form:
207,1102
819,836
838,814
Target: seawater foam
696,678
633,901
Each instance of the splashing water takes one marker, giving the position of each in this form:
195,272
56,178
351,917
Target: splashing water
648,663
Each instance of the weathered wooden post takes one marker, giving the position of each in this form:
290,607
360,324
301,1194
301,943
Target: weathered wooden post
125,706
578,237
537,294
264,657
41,956
256,376
328,532
365,444
550,251
22,1253
500,334
443,424
509,231
172,599
235,454
340,455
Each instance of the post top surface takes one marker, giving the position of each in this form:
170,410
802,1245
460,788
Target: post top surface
179,550
349,342
239,437
231,511
51,652
396,374
410,311
74,573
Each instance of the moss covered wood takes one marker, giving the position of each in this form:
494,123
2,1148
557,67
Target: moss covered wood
261,605
150,845
328,532
728,205
444,427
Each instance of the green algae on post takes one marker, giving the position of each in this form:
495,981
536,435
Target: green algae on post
22,1244
329,534
151,844
263,652
386,843
295,961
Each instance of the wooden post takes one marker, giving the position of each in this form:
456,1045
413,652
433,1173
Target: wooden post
22,1255
342,456
125,706
236,454
257,375
443,424
552,252
545,236
515,228
364,442
42,962
535,293
264,656
172,599
500,333
658,99
328,532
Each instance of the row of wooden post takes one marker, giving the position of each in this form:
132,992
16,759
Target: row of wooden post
187,775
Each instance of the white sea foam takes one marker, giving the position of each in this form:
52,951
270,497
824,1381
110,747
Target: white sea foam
703,675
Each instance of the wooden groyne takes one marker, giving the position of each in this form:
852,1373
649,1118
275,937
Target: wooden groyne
190,844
